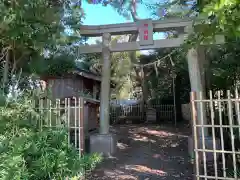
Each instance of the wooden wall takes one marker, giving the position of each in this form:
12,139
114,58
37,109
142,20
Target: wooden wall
64,87
72,86
67,87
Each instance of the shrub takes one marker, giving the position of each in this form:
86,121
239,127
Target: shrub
28,153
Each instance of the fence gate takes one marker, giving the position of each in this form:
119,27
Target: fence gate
66,113
216,143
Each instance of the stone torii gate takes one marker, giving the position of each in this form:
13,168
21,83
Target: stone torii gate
105,142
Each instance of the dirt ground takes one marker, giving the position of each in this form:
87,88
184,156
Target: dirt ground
147,152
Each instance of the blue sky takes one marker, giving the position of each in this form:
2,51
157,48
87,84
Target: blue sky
96,14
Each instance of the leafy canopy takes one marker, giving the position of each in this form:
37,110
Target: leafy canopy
30,29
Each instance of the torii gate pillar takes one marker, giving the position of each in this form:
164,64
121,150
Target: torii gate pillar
197,74
105,84
104,142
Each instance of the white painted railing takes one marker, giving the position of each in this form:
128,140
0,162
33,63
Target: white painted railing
134,112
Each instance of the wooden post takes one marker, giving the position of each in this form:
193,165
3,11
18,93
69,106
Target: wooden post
194,154
81,133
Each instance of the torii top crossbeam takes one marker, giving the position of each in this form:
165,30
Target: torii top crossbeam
145,28
129,28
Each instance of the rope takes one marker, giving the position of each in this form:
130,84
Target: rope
157,61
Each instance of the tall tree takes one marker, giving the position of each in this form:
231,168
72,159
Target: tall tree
29,30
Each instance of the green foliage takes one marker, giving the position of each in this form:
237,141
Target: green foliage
221,17
224,16
121,71
36,24
29,29
225,65
29,24
56,65
216,17
172,9
29,153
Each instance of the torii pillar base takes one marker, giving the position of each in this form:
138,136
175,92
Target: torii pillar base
105,144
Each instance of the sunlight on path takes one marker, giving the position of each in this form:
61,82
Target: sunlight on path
147,153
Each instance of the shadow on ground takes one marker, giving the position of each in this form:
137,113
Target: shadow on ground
147,152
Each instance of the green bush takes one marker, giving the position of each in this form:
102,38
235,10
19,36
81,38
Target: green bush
28,152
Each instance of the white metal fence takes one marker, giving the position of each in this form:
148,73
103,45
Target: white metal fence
64,113
217,156
135,112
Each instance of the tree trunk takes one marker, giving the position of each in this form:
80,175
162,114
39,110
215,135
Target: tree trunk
178,98
144,94
132,56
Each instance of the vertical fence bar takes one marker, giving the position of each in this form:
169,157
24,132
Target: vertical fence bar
66,112
174,102
81,126
80,110
221,132
68,121
58,114
203,135
55,108
237,110
213,133
41,113
49,104
230,118
75,121
34,107
194,119
47,113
